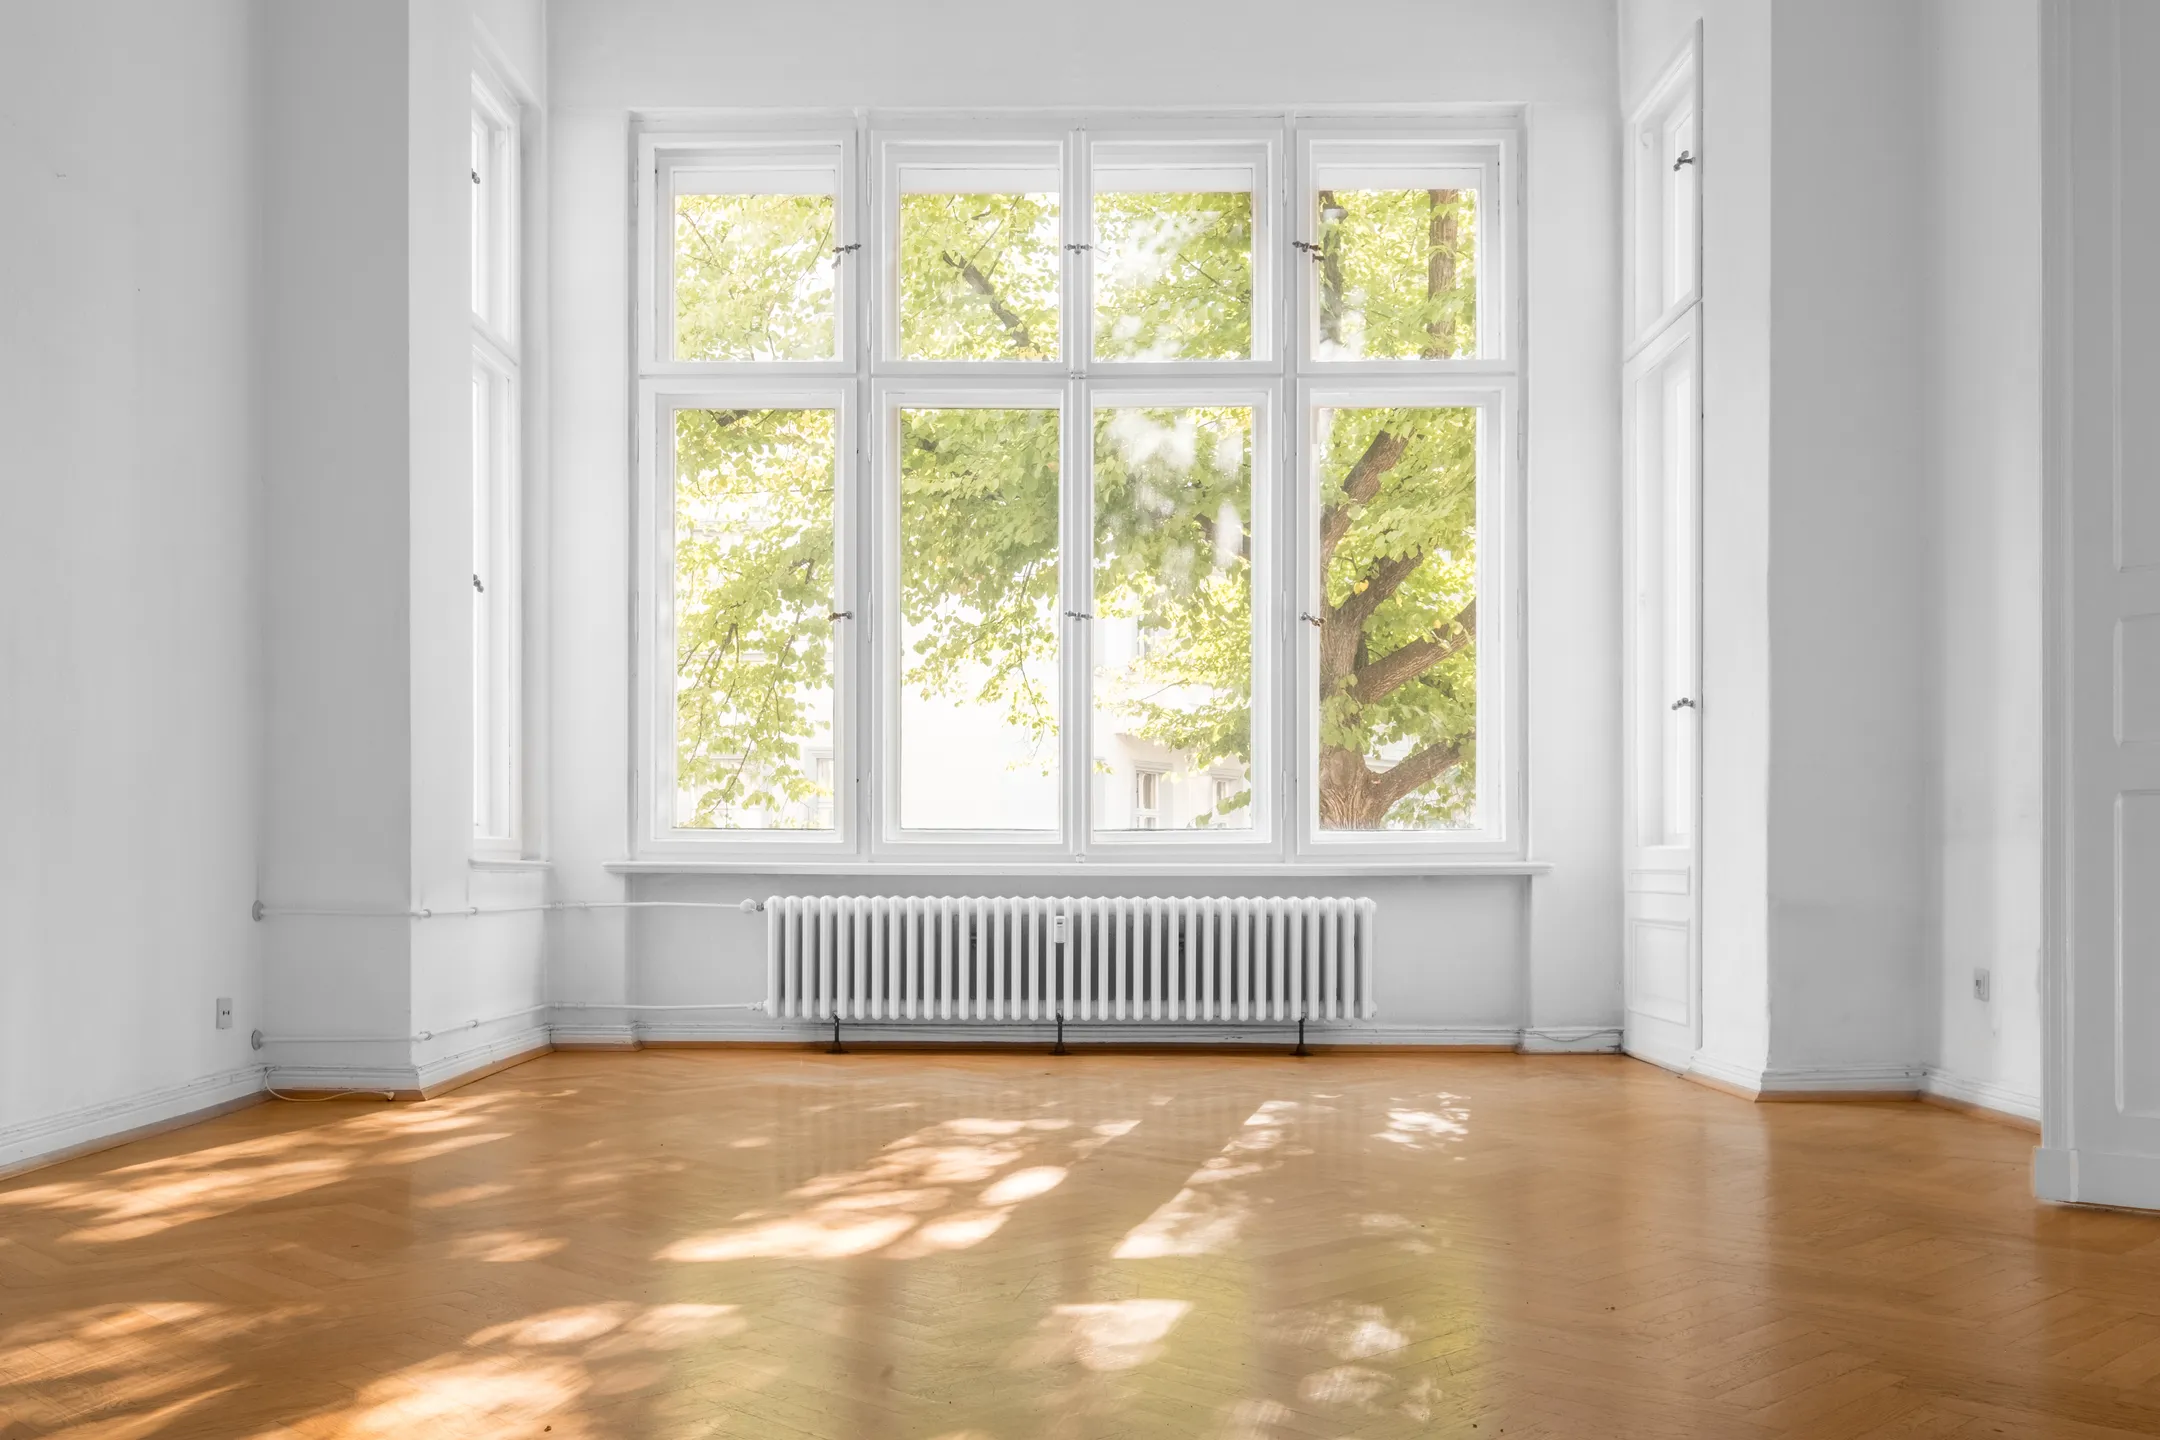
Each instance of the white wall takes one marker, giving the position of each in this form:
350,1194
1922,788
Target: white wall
1818,702
1848,595
369,506
1983,369
129,578
1459,953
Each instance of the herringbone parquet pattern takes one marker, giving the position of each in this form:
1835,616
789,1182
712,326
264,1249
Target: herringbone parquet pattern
765,1244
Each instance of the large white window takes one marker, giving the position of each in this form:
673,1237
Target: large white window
497,394
1024,492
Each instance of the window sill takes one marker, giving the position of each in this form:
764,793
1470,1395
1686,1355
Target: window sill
1065,869
508,862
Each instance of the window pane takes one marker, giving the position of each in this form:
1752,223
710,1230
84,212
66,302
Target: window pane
979,619
753,627
979,275
1396,275
754,277
1398,634
1173,608
1173,271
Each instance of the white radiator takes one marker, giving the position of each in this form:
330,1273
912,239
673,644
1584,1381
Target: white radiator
1043,959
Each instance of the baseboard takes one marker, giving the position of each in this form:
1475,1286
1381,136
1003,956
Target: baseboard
2097,1177
32,1144
1985,1098
1570,1040
1808,1082
1035,1035
410,1082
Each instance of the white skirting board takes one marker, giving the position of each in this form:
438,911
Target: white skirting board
1812,1079
34,1142
1987,1094
423,1076
1542,1040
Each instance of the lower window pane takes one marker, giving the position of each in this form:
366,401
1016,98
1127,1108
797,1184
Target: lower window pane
1398,633
753,628
979,619
1173,610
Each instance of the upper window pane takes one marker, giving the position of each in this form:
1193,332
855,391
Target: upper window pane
1173,612
753,619
753,266
1395,276
1398,633
980,263
979,621
1173,262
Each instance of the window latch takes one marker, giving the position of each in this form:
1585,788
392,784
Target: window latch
1079,614
1307,246
1076,249
1683,703
478,586
475,177
841,252
1687,157
840,615
1311,619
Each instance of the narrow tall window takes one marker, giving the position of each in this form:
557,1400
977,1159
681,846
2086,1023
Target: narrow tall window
496,407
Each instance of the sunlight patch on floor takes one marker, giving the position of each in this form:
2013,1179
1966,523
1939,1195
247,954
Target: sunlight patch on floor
1207,1215
912,1201
1108,1336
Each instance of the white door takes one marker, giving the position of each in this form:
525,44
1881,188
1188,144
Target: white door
1662,430
2102,1103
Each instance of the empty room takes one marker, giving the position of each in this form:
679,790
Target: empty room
1159,720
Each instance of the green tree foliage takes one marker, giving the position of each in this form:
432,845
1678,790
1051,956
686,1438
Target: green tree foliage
1173,551
979,561
1398,273
753,601
979,499
754,277
979,277
1173,276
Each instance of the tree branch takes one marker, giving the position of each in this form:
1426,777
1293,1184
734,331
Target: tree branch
1383,677
1417,769
980,284
1359,486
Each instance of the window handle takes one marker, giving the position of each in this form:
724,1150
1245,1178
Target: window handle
1313,620
478,586
840,615
1079,614
1687,157
1683,703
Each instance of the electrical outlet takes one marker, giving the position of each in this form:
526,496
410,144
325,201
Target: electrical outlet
224,1012
1983,985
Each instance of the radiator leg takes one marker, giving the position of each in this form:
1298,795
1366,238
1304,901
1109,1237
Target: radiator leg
1301,1036
837,1047
1059,1048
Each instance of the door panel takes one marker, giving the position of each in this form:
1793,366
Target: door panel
1663,782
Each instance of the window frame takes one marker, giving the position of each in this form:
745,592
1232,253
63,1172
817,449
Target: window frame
661,154
659,401
497,357
1500,659
1283,379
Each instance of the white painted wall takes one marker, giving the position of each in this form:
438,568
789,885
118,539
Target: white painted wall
130,580
1983,373
369,516
1458,953
1848,683
1818,698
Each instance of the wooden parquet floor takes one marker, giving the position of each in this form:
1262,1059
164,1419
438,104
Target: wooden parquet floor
932,1247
